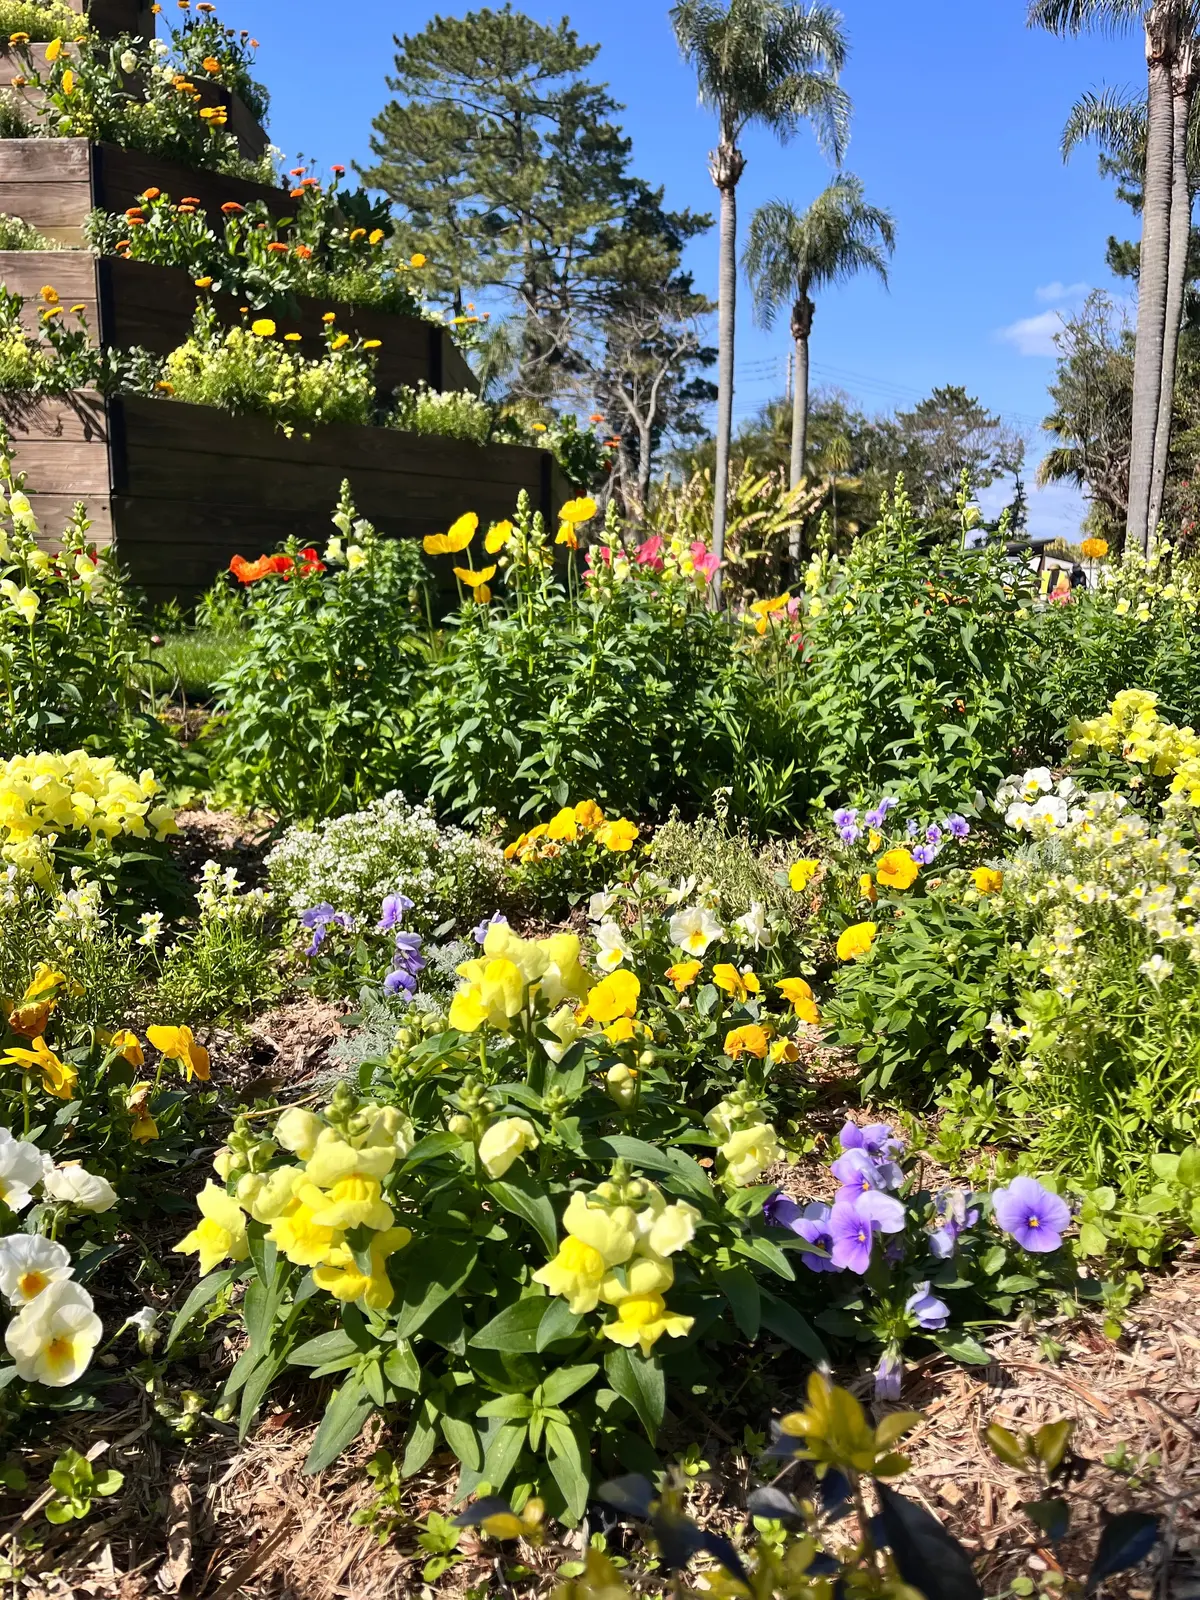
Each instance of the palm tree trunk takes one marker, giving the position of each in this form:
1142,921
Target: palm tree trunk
802,317
1152,273
1183,82
725,164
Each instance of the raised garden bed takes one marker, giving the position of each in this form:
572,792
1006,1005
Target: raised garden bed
136,303
54,183
180,489
110,17
242,123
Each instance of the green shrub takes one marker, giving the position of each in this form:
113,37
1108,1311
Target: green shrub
16,234
42,20
456,415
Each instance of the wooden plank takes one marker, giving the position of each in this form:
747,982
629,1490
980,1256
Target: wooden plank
53,511
120,176
35,161
71,273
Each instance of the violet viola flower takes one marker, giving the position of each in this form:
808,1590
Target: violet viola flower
913,827
877,1139
853,1225
930,1312
407,963
481,932
1031,1214
924,854
889,1375
392,911
958,827
957,1214
933,833
858,1174
319,919
876,817
845,820
809,1222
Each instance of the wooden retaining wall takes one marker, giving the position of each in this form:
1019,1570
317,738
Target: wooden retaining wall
136,303
183,488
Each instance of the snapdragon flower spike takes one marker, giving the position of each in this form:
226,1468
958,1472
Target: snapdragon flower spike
809,1222
392,911
1031,1214
928,1311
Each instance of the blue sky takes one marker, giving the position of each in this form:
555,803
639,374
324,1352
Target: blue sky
958,111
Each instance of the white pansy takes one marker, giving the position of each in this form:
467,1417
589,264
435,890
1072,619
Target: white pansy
695,929
51,1340
29,1264
611,948
600,904
73,1185
22,1168
753,928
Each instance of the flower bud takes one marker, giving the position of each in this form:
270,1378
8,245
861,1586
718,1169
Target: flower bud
621,1086
461,1125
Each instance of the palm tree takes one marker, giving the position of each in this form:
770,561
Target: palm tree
790,255
1116,123
1169,27
768,62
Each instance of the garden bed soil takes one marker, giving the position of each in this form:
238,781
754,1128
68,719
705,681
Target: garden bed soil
137,303
180,489
54,183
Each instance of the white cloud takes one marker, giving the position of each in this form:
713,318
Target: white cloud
1060,294
1034,336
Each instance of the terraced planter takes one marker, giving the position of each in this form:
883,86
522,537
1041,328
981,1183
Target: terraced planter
136,303
182,488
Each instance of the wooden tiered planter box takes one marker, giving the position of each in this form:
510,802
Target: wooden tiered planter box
183,488
54,183
135,303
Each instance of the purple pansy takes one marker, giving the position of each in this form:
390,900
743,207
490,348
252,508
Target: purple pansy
889,1375
392,911
1031,1214
854,1223
956,1214
930,1312
878,816
809,1222
924,854
481,932
845,820
933,833
913,827
319,919
958,827
858,1174
407,963
878,1139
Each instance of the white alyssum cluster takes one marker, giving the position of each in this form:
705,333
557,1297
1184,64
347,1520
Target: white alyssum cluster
391,847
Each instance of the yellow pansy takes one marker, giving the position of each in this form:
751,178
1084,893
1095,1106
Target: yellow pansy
750,1040
588,814
221,1231
179,1044
800,994
564,826
801,874
738,985
613,997
897,870
683,974
866,888
856,940
59,1078
987,880
617,835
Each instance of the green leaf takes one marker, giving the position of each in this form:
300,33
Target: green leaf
256,1386
337,1345
507,1407
1006,1447
434,1269
427,1149
515,1328
786,1322
372,1376
559,1322
688,1173
205,1292
527,1199
402,1368
503,1452
740,1288
962,1347
341,1424
566,1458
1051,1441
639,1380
767,1254
564,1382
1188,1172
463,1440
422,1439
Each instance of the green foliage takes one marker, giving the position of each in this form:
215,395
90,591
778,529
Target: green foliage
17,234
41,19
203,38
226,962
740,870
311,721
192,663
76,1482
453,415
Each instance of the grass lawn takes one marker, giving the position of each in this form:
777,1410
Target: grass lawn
190,663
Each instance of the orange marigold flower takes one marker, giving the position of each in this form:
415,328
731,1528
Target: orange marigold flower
190,200
277,248
230,207
211,64
303,252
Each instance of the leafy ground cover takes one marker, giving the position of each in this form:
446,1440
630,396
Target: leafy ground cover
569,1107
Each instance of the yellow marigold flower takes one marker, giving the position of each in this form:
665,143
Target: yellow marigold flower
179,1044
750,1040
856,940
49,294
897,870
68,82
988,880
220,1233
498,535
59,1078
417,260
738,985
617,835
866,888
1094,549
342,1277
800,994
340,343
576,511
329,316
375,236
262,328
801,874
211,64
683,974
613,997
18,38
503,1142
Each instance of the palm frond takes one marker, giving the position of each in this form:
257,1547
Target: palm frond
1112,119
1080,16
789,253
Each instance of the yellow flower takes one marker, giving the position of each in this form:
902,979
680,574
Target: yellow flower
874,840
563,826
342,1277
59,1078
305,1242
375,236
750,1040
461,533
620,1082
597,1238
493,993
54,49
801,874
800,994
588,814
738,985
68,82
683,974
498,536
474,580
298,1130
613,997
566,535
137,1103
1094,549
642,1316
503,1142
179,1044
897,870
856,940
785,1050
617,835
49,294
355,1201
129,1046
988,880
866,888
748,1152
334,1159
221,1232
577,511
416,261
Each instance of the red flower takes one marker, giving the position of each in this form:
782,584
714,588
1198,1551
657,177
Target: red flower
250,571
310,562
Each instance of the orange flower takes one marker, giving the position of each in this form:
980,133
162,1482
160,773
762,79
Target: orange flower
277,248
303,252
230,207
251,571
211,64
750,1040
204,283
190,200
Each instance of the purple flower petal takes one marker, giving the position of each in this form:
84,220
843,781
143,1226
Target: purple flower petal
884,1211
930,1312
889,1376
851,1237
1031,1214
